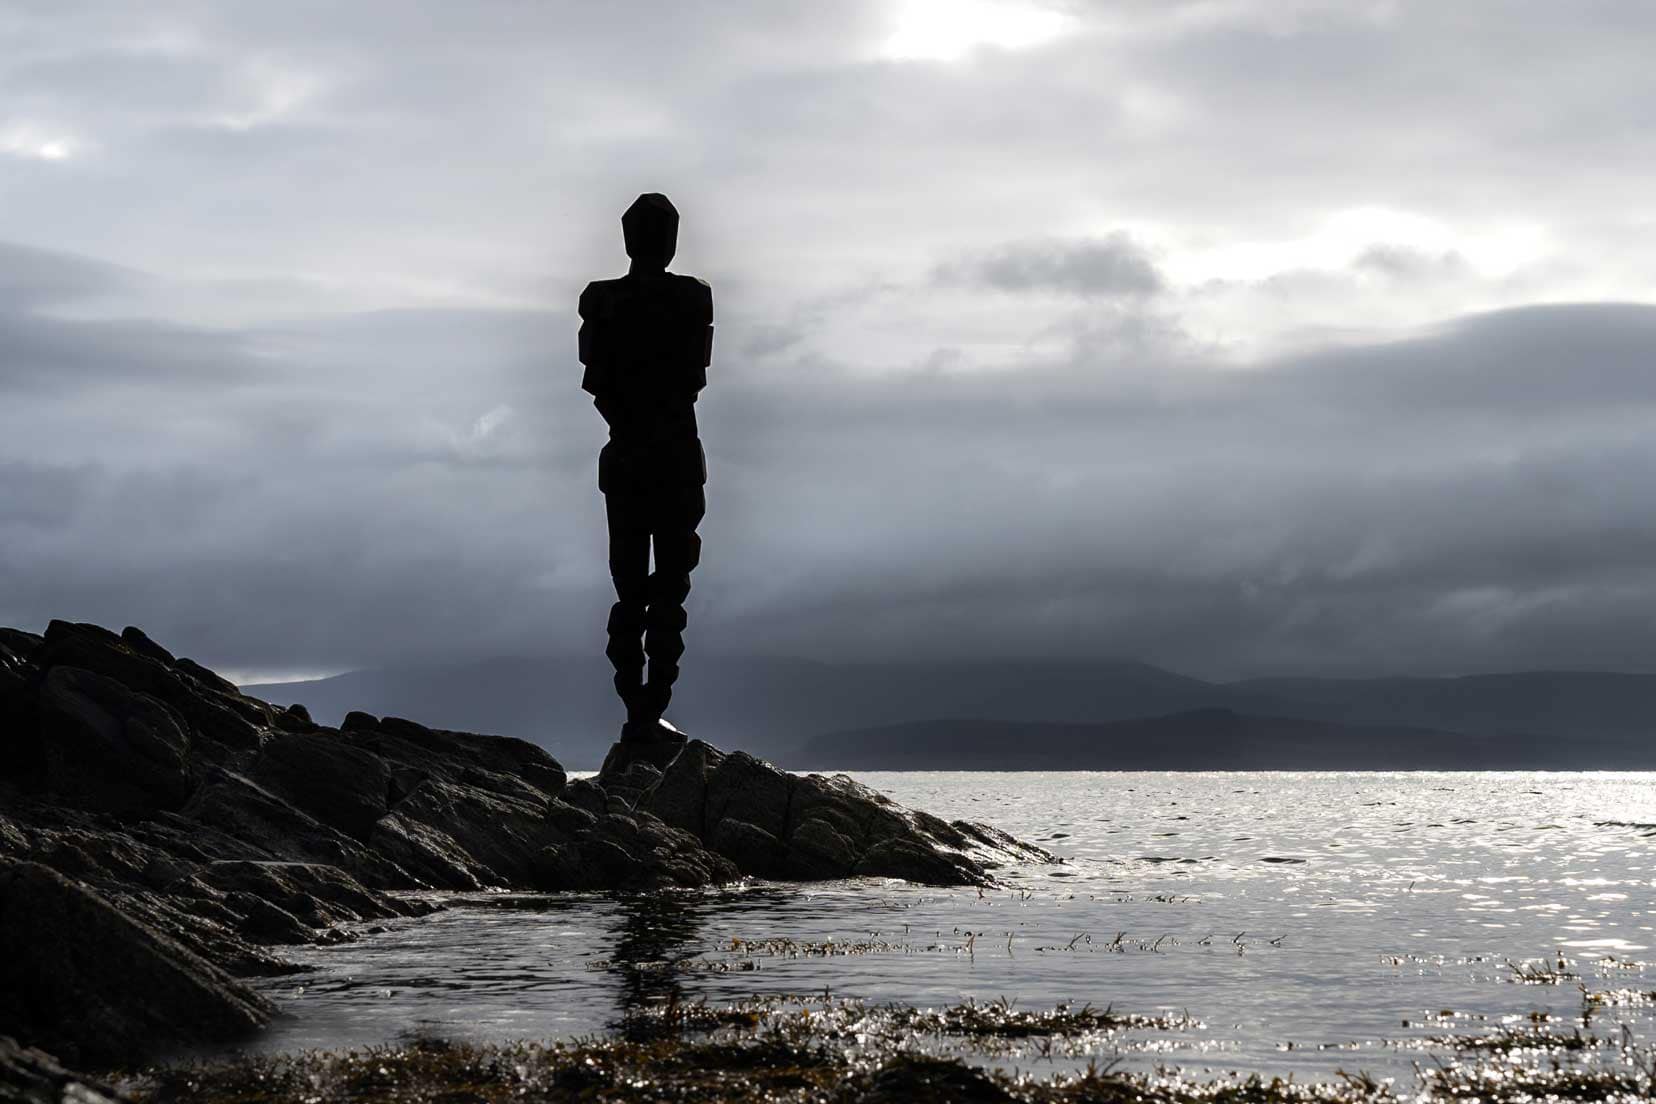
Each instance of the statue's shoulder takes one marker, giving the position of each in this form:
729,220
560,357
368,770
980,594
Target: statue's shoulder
696,293
601,296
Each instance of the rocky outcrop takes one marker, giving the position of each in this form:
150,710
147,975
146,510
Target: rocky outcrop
161,833
773,824
95,986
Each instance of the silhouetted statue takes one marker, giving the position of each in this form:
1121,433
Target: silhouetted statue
646,341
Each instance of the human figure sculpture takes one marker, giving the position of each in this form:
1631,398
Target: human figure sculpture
646,341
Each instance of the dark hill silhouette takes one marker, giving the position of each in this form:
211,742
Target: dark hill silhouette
1564,704
1202,739
767,705
774,706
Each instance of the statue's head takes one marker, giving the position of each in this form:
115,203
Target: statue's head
650,228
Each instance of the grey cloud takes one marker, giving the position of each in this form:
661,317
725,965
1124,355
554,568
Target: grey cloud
1111,266
278,486
1437,503
32,278
1403,263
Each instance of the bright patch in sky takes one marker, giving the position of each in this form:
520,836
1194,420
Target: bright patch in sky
1342,236
943,30
28,141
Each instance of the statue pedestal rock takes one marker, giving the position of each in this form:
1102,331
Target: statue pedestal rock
656,744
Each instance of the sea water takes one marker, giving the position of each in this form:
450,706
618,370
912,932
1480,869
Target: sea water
1296,922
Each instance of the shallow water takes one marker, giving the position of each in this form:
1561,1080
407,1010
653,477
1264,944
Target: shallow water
1309,921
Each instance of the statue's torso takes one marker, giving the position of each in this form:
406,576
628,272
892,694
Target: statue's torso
646,341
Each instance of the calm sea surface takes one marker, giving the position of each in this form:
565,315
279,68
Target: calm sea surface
1306,921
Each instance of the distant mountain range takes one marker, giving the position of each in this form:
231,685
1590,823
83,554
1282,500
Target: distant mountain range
1027,715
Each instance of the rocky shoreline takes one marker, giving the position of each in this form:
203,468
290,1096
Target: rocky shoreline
161,834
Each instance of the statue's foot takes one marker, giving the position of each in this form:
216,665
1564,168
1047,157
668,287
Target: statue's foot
650,732
656,743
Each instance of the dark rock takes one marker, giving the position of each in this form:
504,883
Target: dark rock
287,722
340,785
818,849
135,639
21,645
22,759
584,793
264,922
428,854
317,893
501,835
630,782
30,1076
570,819
211,679
492,762
635,852
108,747
655,746
680,798
211,714
753,850
500,754
773,824
98,987
752,790
358,721
271,828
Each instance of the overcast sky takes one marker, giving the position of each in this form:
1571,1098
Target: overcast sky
1238,336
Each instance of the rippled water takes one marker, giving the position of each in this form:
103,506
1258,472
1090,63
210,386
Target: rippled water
1309,921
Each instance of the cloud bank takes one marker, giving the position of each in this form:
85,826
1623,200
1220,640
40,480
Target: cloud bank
1240,338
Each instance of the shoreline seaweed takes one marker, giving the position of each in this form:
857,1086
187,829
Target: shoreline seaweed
837,1051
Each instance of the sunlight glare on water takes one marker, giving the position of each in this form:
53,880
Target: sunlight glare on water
1309,921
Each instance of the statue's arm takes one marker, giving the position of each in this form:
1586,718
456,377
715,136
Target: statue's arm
594,346
704,336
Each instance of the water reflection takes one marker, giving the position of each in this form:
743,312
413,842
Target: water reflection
654,933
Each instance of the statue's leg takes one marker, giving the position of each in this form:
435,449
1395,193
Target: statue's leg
677,551
629,563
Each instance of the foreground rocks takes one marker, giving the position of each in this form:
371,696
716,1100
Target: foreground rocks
29,1075
99,988
161,833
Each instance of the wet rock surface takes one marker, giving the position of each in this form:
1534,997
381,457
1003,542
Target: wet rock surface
774,824
161,833
29,1075
98,987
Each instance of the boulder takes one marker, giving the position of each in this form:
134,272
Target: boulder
338,784
584,793
210,679
136,639
635,853
106,746
319,894
491,762
773,824
268,827
20,645
224,717
428,854
97,987
500,834
30,1076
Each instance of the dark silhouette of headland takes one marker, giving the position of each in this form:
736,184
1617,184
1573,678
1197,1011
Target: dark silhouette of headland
646,340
